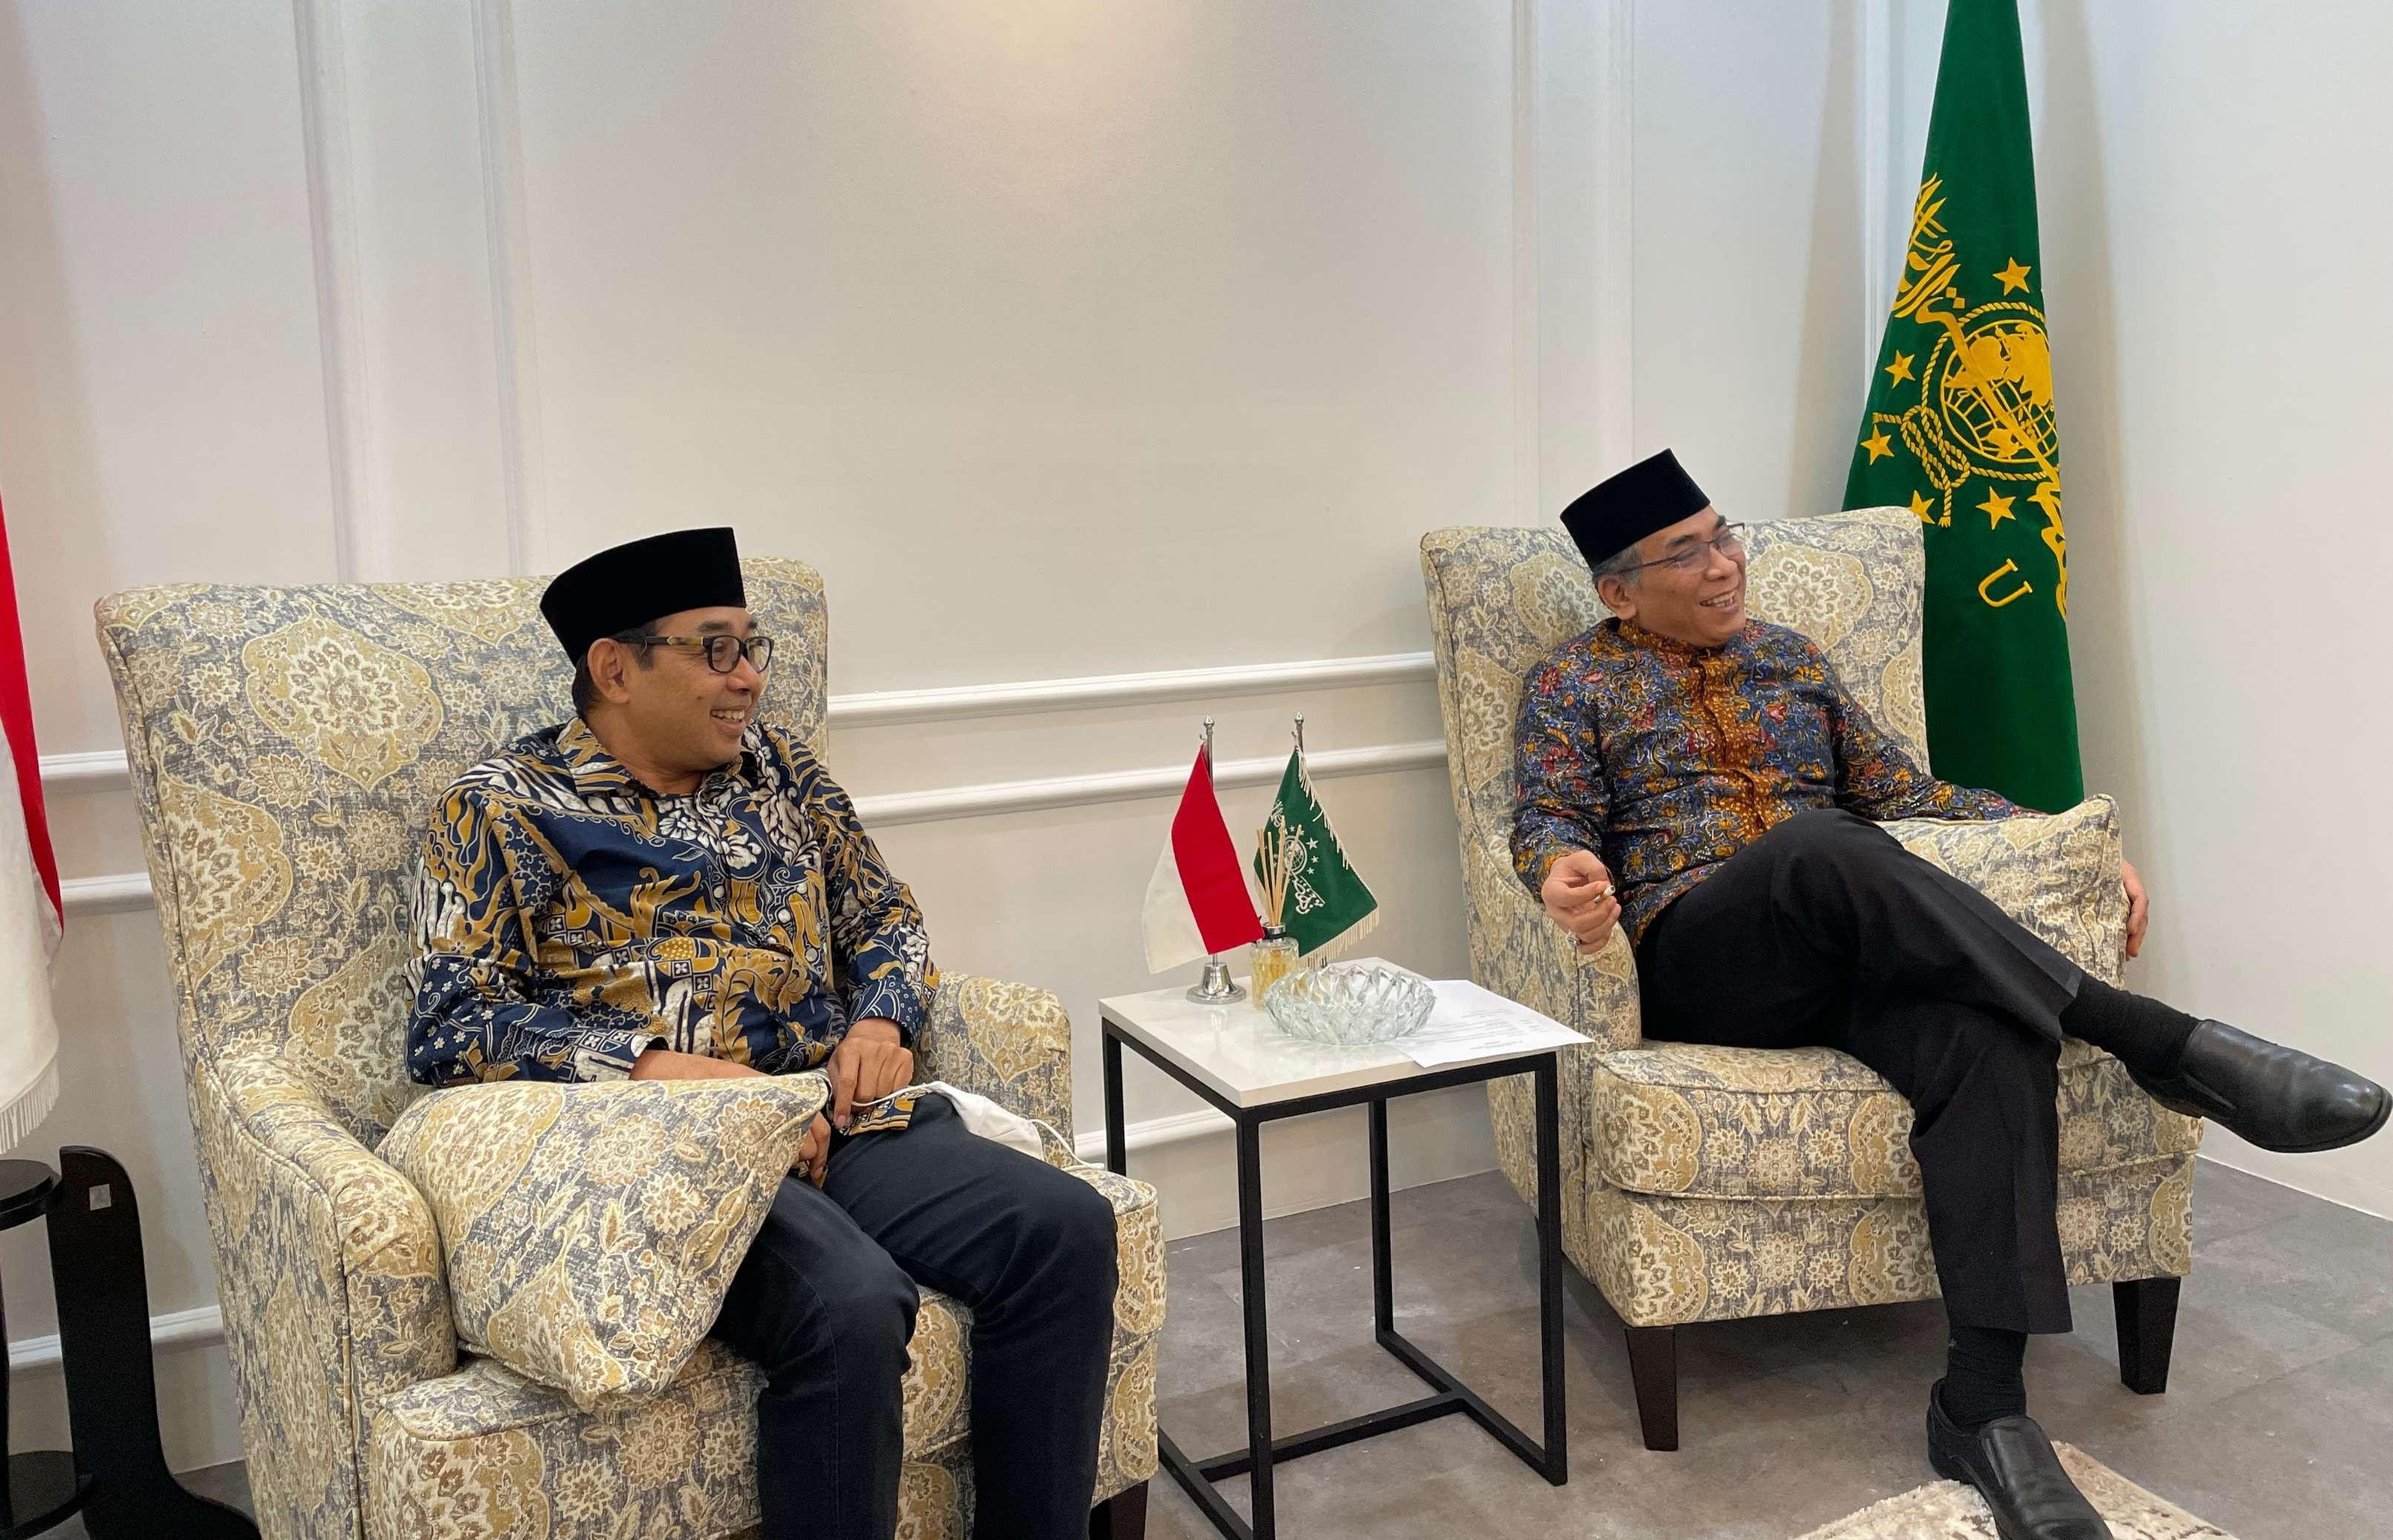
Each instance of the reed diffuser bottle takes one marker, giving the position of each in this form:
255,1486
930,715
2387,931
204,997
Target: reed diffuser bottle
1273,958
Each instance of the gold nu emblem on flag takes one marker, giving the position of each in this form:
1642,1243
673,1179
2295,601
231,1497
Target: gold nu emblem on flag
1984,403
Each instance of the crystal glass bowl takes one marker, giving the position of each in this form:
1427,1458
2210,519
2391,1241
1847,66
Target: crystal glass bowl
1349,1004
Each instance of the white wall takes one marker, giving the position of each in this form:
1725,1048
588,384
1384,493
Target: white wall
2214,218
1068,339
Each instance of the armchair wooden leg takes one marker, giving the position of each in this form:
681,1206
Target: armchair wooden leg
1653,1364
2146,1313
1122,1516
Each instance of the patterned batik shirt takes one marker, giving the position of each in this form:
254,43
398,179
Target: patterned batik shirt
1667,758
568,919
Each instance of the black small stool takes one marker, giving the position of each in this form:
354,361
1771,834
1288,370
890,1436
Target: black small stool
117,1476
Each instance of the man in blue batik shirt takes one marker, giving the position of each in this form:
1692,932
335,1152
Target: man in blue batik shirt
666,888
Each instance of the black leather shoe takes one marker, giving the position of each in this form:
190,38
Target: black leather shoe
2011,1464
2277,1097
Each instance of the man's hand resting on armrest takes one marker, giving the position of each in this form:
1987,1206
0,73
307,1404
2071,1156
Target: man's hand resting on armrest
1578,897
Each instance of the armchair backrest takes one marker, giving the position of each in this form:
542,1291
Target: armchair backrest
287,746
1502,598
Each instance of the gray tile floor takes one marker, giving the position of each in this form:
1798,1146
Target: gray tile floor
2277,1422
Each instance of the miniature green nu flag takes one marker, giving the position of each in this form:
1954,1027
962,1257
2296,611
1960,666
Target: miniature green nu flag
1960,428
1328,905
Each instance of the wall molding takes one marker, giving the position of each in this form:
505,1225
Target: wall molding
1614,428
121,893
1528,311
500,126
124,893
1089,692
1089,1144
98,770
127,891
104,769
1876,122
183,1329
333,237
1163,780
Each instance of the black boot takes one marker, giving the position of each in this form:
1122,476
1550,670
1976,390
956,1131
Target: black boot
2277,1097
2011,1464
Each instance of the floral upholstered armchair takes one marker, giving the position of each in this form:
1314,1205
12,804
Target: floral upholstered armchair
1706,1184
287,746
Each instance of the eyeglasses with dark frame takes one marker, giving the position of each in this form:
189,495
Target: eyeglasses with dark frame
1729,542
723,652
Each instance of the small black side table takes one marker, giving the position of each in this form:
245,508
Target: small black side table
117,1476
1250,1071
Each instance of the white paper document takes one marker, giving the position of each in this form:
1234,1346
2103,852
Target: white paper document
1471,1023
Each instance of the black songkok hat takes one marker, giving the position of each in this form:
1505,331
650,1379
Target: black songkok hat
630,585
1628,506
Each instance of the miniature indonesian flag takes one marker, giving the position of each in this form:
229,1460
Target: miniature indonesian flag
29,896
1198,903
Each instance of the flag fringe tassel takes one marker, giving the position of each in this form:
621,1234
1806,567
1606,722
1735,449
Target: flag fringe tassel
24,1114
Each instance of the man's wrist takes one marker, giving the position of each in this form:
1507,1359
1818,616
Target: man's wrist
878,1029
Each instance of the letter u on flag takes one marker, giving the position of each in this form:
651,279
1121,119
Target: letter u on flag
1198,903
29,894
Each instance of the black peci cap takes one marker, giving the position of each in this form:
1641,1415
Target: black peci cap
1625,507
630,585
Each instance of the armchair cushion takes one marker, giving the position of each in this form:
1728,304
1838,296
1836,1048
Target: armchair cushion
1690,1120
590,1230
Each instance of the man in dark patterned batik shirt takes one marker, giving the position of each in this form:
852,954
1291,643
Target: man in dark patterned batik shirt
666,888
1701,778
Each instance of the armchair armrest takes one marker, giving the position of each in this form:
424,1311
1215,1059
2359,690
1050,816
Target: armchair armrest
2057,874
1009,1042
1516,951
302,1201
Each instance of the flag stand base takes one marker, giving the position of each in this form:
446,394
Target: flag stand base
1214,986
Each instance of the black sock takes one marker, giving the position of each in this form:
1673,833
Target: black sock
1983,1377
2145,1034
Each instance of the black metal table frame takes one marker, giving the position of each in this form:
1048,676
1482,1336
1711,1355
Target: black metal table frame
1550,1459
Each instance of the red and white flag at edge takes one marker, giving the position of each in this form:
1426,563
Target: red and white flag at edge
30,913
1197,902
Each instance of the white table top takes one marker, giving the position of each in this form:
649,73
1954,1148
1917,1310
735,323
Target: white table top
1237,1052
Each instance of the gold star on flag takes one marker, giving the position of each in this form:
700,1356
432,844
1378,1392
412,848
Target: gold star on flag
1878,446
2013,278
1900,369
1996,508
1921,506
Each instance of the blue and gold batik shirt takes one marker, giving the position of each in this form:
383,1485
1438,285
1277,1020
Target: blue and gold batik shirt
568,919
1667,758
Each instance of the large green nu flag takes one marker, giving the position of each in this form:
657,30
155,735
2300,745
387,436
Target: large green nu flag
1960,427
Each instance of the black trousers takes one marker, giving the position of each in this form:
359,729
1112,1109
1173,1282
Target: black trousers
1826,931
825,1300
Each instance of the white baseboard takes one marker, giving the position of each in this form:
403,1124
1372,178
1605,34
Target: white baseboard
199,1411
1308,1162
2339,1178
182,1328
